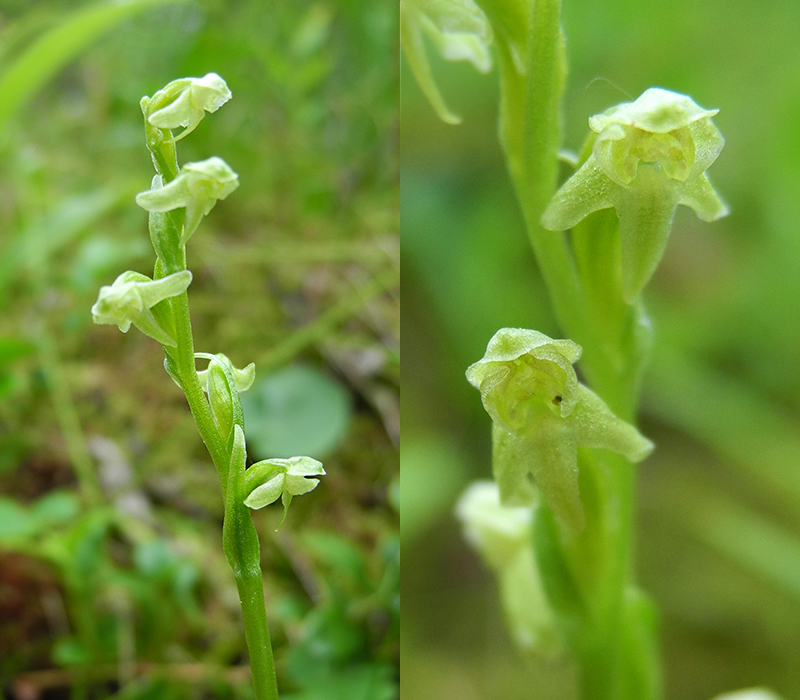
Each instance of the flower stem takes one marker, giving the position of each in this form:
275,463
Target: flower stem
597,558
181,361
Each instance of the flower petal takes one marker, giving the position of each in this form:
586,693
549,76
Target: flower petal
701,196
645,210
586,191
596,426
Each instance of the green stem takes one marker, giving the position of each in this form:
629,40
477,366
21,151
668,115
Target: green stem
599,557
536,174
256,631
248,578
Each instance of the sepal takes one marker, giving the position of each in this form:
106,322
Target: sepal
130,299
197,188
459,30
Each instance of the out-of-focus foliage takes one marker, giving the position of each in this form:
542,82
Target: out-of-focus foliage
719,542
112,579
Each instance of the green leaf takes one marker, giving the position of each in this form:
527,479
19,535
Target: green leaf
56,507
57,47
296,411
16,523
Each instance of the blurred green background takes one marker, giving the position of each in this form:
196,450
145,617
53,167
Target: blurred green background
718,545
112,579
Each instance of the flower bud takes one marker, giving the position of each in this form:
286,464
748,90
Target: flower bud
198,187
184,102
130,299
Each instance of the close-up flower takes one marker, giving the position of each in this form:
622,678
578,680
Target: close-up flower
649,156
541,415
130,299
458,29
198,187
270,479
184,102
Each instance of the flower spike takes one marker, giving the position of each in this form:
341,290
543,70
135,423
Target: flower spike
459,30
649,156
541,415
198,187
130,299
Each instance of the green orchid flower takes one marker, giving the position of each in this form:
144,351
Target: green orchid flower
459,30
503,537
184,102
541,414
270,479
198,187
131,298
649,156
222,382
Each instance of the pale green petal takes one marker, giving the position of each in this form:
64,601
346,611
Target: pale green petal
286,499
596,426
266,493
456,17
177,113
298,485
656,110
166,198
708,145
586,191
414,51
154,291
548,454
511,469
495,531
147,324
464,47
645,210
700,196
526,609
263,471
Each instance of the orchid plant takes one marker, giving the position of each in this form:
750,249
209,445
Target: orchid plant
178,200
556,525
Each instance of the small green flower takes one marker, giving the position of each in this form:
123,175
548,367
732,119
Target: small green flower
222,382
270,479
198,187
649,156
184,102
541,415
130,299
502,536
458,29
